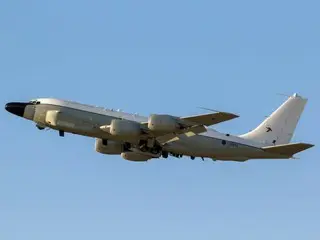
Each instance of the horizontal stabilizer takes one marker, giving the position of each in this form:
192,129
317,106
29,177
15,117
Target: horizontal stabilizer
288,149
209,118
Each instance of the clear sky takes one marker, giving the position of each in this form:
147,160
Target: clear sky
157,57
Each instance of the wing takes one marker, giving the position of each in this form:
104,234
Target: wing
195,125
169,127
171,137
209,119
204,119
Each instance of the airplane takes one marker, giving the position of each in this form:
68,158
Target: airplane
138,138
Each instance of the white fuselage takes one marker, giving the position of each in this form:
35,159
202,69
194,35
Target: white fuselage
138,138
85,120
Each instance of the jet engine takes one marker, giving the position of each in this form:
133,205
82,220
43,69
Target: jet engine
124,128
108,147
136,157
163,123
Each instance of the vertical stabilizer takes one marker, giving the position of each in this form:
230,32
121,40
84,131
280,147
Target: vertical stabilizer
279,127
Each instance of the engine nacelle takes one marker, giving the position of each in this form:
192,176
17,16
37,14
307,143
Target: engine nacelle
108,147
125,128
163,123
136,157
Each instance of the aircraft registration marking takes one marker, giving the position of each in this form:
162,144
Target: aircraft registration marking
233,145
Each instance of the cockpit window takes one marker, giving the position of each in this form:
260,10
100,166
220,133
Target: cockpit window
34,102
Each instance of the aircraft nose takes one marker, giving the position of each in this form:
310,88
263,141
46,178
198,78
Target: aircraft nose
16,108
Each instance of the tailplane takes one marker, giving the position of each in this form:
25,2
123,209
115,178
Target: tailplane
288,150
279,127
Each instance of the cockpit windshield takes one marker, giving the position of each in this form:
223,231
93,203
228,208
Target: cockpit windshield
34,102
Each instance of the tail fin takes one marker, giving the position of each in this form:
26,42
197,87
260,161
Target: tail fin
279,127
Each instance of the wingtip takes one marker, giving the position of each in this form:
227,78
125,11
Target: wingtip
232,115
308,145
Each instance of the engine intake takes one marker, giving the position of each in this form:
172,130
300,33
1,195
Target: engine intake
108,147
163,123
125,128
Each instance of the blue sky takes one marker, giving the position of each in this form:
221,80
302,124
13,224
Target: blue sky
150,57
